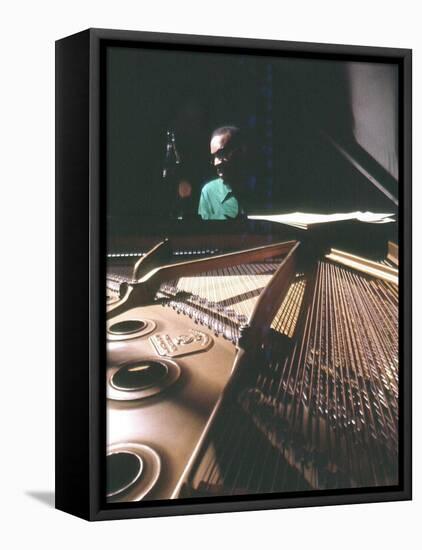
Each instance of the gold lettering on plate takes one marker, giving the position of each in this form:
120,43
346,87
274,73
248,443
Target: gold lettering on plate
176,344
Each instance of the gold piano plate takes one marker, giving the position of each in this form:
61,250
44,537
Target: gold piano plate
176,344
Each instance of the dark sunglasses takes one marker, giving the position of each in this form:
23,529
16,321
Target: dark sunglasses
222,155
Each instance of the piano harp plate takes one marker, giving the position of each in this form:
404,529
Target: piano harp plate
172,421
170,416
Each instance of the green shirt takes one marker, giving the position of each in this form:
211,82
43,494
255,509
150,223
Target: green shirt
217,201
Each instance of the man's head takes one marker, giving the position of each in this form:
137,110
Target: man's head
227,153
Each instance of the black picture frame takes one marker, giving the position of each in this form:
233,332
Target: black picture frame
80,272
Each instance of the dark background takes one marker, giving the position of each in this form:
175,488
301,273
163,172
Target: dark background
291,111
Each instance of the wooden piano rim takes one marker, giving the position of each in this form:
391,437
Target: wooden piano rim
374,269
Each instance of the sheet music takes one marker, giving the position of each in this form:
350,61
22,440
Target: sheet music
304,219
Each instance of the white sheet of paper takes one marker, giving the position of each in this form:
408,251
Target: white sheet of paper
303,219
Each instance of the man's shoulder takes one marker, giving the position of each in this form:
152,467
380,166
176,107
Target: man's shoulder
211,185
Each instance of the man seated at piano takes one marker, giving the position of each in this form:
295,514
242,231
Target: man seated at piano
223,198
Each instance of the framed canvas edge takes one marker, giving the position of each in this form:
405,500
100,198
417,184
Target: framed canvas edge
97,425
72,362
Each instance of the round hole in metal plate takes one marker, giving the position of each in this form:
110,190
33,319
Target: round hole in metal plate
139,375
123,470
127,327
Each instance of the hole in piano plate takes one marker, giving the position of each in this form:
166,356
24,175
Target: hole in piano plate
127,327
133,470
139,375
124,468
